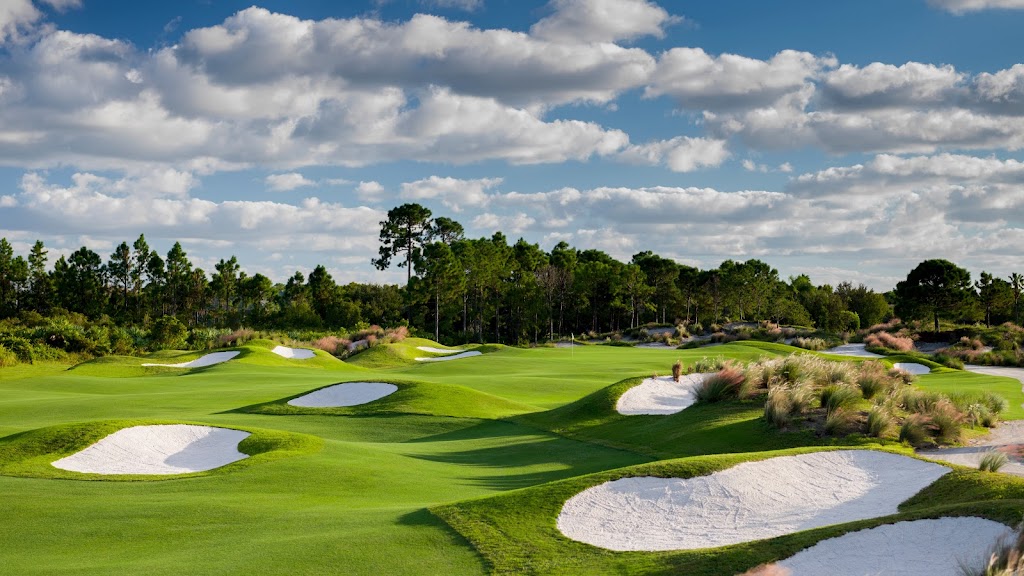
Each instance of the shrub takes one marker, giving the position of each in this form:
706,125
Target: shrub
236,337
677,370
396,334
889,341
7,358
725,384
834,397
810,343
870,385
168,332
946,422
949,361
992,461
332,344
914,430
778,409
838,422
919,401
879,422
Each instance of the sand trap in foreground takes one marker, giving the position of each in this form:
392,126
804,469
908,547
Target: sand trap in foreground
433,350
912,367
452,357
933,547
208,360
750,501
661,395
348,394
293,353
852,350
162,449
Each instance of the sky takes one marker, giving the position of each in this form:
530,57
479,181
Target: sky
846,140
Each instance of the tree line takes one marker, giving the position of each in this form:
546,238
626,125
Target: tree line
482,290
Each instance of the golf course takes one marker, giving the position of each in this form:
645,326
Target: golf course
457,467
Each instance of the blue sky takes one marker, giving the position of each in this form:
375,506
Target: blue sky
845,140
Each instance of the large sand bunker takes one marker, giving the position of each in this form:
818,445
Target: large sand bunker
660,395
750,501
348,394
160,449
912,367
293,353
856,350
934,547
208,360
446,358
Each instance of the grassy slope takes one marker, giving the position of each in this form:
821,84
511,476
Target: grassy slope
516,532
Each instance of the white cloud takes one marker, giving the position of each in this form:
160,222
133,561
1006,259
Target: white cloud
576,21
287,182
701,81
880,85
680,154
370,191
15,16
964,6
454,193
8,201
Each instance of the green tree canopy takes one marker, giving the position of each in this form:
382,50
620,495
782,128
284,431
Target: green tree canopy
933,289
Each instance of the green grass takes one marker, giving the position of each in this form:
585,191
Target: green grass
30,454
431,399
952,381
516,532
358,503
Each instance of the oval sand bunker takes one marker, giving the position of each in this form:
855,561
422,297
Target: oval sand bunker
161,449
750,501
207,360
660,396
433,350
934,547
348,394
912,367
293,353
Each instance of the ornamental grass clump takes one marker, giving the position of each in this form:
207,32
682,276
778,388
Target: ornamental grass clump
778,410
677,370
706,364
1006,558
914,430
810,343
879,422
834,397
889,341
839,422
992,461
726,384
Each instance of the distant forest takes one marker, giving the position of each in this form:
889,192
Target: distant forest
480,290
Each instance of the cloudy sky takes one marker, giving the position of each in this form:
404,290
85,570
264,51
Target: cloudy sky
846,140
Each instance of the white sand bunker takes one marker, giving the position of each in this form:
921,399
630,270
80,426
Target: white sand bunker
857,350
348,394
208,360
660,395
469,354
293,353
750,501
162,449
912,367
934,547
433,350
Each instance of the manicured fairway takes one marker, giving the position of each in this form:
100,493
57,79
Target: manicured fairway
356,501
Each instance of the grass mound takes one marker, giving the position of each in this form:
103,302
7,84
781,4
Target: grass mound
404,353
30,454
428,399
516,534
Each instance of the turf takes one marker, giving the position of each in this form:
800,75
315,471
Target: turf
516,532
357,502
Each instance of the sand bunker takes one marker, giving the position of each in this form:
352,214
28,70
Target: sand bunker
452,357
750,501
852,350
1007,438
912,367
660,395
294,353
163,449
348,394
935,547
433,350
208,360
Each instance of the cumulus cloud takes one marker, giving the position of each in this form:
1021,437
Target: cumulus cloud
573,21
680,154
454,193
965,6
287,182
